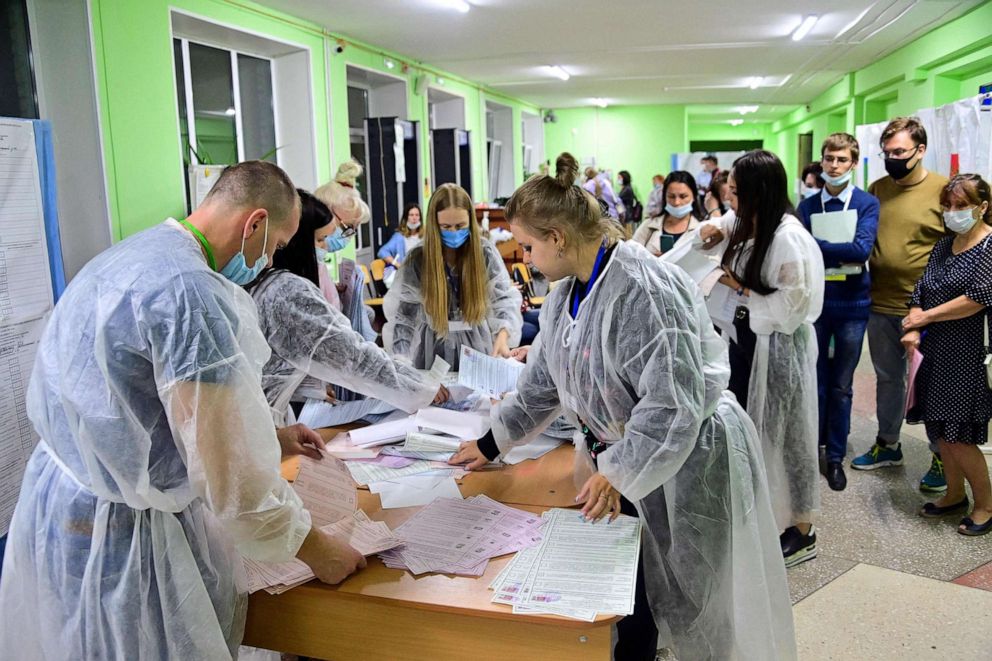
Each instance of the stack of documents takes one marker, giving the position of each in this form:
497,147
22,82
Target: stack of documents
317,414
579,570
460,536
486,374
364,535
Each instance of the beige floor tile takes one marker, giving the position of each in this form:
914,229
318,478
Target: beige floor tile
876,614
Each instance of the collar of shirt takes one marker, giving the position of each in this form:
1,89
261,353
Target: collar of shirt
825,196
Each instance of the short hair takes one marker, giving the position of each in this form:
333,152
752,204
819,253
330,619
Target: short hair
969,188
840,141
257,184
711,158
912,125
815,169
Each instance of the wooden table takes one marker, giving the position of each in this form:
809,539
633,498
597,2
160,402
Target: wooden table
381,613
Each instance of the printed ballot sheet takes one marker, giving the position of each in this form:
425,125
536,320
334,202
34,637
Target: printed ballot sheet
326,489
578,570
317,414
486,374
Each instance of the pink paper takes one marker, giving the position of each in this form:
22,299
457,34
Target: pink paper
914,366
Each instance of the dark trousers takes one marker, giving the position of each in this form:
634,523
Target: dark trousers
637,634
741,355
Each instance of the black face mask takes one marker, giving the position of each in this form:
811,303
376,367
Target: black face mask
896,167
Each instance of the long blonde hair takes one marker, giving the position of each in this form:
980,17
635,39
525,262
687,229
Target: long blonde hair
545,204
470,263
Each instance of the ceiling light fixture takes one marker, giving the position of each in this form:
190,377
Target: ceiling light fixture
389,63
746,110
805,27
457,5
602,103
754,83
735,122
230,112
557,72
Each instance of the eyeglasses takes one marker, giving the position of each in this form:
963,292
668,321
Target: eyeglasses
839,160
348,231
899,153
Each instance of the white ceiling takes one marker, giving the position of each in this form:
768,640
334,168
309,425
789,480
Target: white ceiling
640,51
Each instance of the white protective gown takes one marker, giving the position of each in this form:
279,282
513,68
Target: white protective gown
782,395
642,366
158,462
408,333
310,338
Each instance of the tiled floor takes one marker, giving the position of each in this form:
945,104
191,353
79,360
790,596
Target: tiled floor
889,584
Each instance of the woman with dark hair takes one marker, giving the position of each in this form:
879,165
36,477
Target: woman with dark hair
309,338
715,200
405,239
682,213
774,270
633,209
948,323
812,180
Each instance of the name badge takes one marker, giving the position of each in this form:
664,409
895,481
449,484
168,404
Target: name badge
458,326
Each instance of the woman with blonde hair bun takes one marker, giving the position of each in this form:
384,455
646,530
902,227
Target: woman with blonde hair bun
453,289
628,353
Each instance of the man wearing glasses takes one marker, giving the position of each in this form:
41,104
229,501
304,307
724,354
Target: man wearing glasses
910,223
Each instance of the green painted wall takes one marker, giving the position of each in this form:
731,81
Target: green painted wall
640,139
136,91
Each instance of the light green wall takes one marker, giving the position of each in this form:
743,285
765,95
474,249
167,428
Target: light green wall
136,90
639,139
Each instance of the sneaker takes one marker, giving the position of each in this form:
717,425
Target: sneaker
797,548
934,481
878,456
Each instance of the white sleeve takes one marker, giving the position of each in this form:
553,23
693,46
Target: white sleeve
794,268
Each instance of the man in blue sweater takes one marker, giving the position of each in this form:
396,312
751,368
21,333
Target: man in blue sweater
844,221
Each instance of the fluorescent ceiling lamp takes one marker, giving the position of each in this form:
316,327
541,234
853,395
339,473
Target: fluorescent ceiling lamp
557,72
754,83
457,5
736,122
389,63
602,103
230,112
746,110
805,27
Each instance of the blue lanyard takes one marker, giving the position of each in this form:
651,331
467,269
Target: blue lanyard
592,280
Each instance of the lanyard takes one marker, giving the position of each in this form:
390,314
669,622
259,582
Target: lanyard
203,242
592,280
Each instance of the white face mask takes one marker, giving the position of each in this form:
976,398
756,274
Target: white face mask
960,221
678,212
414,225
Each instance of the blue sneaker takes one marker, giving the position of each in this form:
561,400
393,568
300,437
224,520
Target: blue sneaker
879,456
934,481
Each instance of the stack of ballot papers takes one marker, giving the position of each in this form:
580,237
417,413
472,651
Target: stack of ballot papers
364,535
486,374
460,536
328,492
578,570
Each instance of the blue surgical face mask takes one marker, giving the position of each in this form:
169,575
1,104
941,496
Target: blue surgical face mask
811,192
838,181
454,238
960,221
237,270
336,241
679,212
321,255
657,185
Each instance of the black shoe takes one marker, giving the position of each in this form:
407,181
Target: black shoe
835,476
933,511
797,547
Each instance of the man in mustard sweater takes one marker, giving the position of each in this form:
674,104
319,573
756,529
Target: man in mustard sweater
909,225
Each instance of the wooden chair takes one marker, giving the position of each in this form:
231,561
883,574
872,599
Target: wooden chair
521,273
378,272
373,301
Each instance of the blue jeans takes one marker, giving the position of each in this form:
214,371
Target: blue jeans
531,327
835,378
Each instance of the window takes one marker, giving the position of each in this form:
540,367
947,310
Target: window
16,73
225,105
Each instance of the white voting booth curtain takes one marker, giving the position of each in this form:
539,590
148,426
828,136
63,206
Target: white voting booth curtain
959,137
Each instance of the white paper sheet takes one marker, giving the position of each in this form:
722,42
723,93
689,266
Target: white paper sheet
468,426
416,490
421,442
493,376
366,473
326,489
698,265
835,226
383,432
537,448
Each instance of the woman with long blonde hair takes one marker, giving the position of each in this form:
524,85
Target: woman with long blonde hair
452,290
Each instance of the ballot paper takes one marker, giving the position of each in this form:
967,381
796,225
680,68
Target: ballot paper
361,533
421,442
317,414
537,448
326,489
578,570
466,426
459,536
834,226
487,374
340,446
383,432
365,473
722,304
414,490
391,461
698,265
